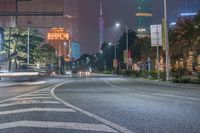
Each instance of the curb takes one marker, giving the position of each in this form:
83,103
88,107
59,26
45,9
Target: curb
170,84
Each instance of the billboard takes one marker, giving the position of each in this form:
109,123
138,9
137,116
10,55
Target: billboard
1,38
75,50
156,35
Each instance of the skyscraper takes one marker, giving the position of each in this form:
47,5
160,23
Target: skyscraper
101,26
143,17
71,11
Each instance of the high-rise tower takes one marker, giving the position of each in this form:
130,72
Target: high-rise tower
71,11
101,26
143,17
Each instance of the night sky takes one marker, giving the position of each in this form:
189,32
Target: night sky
118,11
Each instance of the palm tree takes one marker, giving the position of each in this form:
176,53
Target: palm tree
185,37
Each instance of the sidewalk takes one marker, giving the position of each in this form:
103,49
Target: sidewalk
169,83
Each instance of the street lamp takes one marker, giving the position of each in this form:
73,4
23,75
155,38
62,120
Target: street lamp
126,28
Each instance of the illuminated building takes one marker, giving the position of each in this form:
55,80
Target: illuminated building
59,39
143,17
40,14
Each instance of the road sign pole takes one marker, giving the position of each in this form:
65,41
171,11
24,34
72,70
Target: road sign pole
158,59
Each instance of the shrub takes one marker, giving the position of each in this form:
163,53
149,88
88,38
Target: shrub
177,74
185,80
198,75
136,74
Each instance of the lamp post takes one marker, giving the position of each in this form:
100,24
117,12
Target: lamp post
127,45
28,47
115,55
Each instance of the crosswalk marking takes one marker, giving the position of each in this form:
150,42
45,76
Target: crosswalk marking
36,110
30,98
33,95
29,102
45,97
60,125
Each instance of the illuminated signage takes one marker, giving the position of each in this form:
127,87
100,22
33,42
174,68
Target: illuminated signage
58,34
144,15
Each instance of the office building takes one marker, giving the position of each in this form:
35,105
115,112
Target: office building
143,17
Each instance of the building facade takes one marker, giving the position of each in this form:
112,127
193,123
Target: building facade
41,14
143,17
71,14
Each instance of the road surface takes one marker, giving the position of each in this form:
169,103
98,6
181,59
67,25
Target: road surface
100,105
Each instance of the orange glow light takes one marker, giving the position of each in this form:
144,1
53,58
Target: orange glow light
58,34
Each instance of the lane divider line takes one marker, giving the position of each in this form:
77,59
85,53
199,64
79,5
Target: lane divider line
101,119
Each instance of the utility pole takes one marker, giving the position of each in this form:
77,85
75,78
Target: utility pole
166,42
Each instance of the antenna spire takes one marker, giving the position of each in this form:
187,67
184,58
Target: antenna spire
101,9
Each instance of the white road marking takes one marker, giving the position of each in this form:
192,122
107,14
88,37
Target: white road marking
36,110
30,98
37,91
101,119
34,95
60,125
155,94
46,93
28,103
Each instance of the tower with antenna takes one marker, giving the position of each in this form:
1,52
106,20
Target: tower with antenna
101,26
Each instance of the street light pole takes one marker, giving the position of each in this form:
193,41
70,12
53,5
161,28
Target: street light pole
166,42
28,47
127,45
127,48
116,57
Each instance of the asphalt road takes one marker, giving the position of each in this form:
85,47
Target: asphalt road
141,107
99,105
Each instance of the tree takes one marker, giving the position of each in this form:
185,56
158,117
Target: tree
16,45
185,37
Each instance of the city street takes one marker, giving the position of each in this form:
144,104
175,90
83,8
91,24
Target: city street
100,104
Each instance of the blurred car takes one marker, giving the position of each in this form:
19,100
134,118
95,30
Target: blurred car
69,72
84,73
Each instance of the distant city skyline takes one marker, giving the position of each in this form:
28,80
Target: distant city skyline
87,24
122,11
